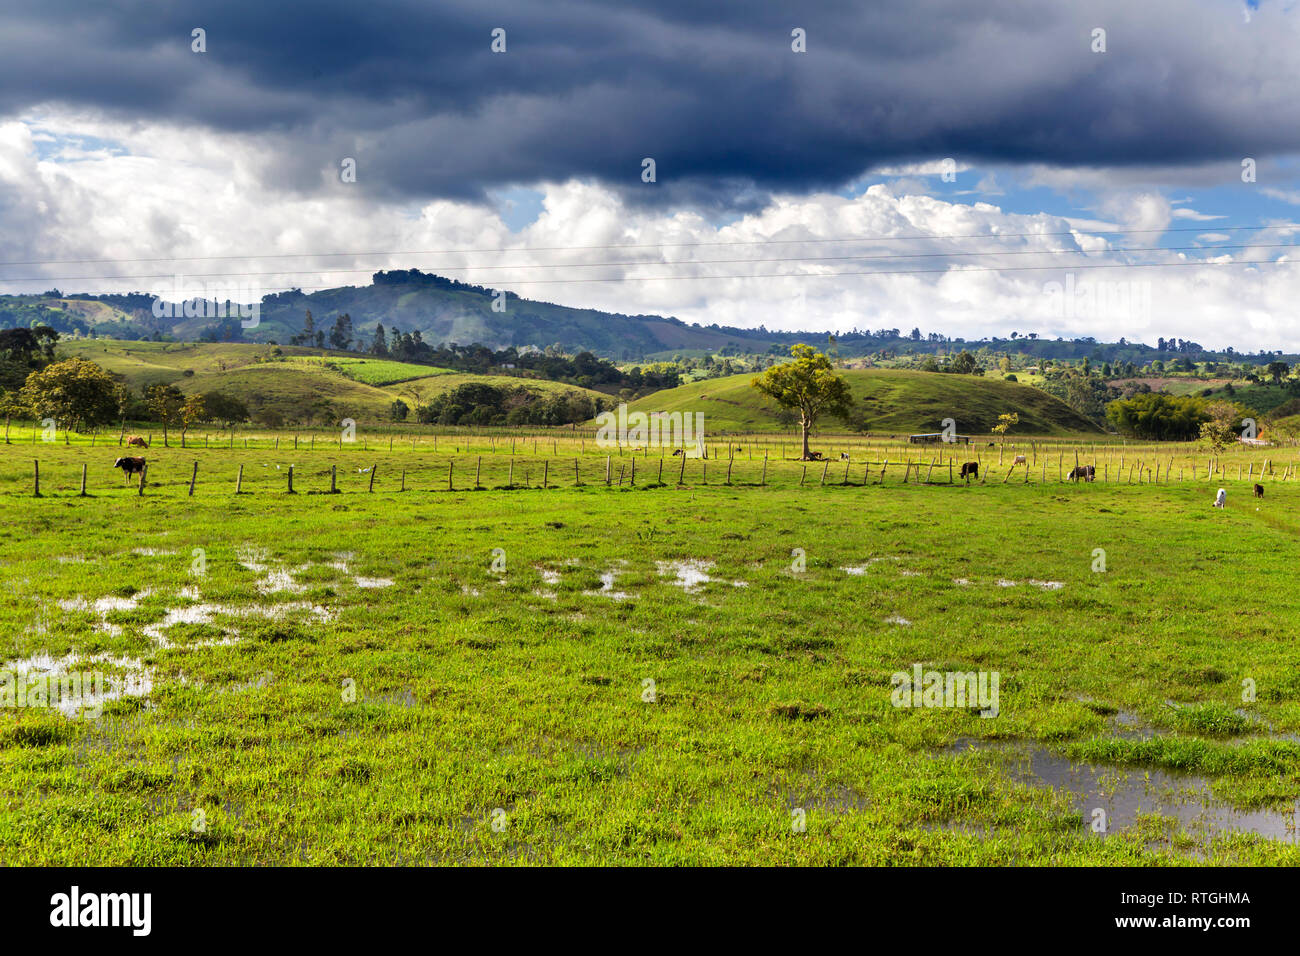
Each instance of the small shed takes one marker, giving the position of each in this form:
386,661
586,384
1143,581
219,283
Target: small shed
934,438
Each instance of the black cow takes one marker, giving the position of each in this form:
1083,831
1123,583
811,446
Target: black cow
130,466
1259,491
1086,472
970,470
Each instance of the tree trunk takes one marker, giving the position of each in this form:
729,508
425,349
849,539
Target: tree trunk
164,424
805,424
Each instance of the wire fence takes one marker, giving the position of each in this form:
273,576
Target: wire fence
182,472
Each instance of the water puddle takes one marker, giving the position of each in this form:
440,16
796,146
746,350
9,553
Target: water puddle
691,574
607,588
72,684
102,607
1125,793
204,614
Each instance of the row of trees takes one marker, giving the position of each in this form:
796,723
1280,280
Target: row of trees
81,395
477,403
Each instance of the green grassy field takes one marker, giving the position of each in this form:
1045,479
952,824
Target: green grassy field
377,371
350,680
359,388
895,401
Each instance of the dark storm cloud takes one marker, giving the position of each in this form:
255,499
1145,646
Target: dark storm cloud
711,91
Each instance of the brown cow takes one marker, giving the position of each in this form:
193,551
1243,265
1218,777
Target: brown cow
137,440
1259,491
970,470
130,466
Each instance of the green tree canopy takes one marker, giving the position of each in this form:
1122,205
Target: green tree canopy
1158,416
75,393
807,385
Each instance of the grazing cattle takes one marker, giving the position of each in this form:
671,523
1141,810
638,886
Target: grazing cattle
1020,460
844,456
129,466
970,470
1221,498
678,451
1086,472
137,440
1259,491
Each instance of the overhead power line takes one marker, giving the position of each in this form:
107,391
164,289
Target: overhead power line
693,262
892,272
659,245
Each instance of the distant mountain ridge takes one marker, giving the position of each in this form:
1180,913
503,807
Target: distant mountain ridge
446,311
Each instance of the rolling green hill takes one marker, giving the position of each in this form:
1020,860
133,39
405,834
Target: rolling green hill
291,382
894,401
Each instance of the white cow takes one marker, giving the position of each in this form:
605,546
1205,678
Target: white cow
1020,460
1221,498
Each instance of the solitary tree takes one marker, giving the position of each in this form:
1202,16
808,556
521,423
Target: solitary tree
223,408
165,403
1221,429
194,410
1005,421
808,385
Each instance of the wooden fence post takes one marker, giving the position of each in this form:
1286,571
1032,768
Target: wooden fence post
478,467
143,473
193,477
546,468
373,468
37,488
334,479
239,479
83,480
290,479
450,467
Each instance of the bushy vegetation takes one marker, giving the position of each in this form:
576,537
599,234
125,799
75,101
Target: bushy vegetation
1160,417
481,404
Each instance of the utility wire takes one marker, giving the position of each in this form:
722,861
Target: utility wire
659,245
677,262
